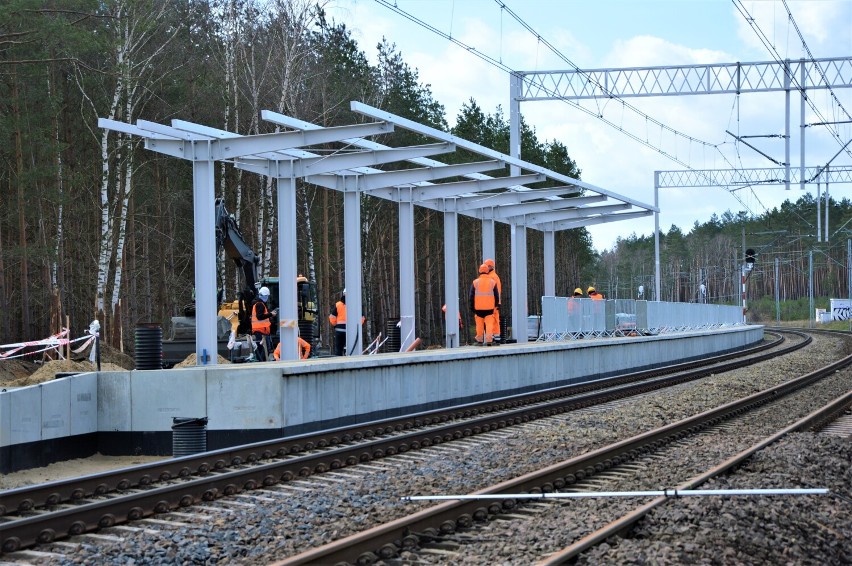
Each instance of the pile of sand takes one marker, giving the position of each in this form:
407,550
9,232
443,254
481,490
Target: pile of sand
48,371
192,359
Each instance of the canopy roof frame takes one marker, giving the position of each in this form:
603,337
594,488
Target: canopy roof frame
280,155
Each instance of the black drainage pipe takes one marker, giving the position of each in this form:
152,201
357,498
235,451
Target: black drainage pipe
189,435
148,351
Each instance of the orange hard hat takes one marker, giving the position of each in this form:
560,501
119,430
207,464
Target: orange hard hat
483,268
489,262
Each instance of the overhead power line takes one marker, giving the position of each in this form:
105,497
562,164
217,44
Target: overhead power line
555,95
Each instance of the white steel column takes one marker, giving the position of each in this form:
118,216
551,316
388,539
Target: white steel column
288,317
549,263
451,271
787,124
515,120
519,283
657,236
352,265
406,273
488,245
204,214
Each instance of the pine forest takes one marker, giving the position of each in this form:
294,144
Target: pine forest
94,226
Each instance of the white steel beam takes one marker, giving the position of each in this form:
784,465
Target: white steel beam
291,122
513,212
485,200
250,145
590,221
400,177
437,191
570,213
366,110
288,166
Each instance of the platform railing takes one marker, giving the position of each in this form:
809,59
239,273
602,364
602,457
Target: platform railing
567,318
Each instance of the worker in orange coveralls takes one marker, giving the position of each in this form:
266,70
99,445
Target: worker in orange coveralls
484,298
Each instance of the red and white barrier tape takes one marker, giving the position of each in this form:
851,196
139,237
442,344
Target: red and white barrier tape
55,342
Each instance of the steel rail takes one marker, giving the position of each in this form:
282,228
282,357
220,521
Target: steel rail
385,541
88,516
144,476
626,522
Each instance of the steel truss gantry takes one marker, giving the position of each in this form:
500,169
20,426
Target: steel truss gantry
725,78
284,157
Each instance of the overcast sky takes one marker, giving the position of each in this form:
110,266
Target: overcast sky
607,34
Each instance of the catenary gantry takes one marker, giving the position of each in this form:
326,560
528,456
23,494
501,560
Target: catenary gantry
366,170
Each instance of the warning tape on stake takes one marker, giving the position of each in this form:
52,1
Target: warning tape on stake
55,342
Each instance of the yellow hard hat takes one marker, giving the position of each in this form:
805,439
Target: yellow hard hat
483,268
590,290
578,291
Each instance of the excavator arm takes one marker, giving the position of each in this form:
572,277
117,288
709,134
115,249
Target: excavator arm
230,239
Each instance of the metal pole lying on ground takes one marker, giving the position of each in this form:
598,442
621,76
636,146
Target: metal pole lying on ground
650,493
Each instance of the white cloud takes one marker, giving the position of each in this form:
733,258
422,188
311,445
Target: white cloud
607,157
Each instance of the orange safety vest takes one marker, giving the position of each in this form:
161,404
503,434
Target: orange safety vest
257,325
493,275
483,293
304,349
597,297
341,314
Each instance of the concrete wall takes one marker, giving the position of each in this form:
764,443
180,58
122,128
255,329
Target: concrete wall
131,412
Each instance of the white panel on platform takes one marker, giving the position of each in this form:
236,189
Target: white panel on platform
25,415
5,419
84,403
55,409
160,395
243,400
327,402
115,405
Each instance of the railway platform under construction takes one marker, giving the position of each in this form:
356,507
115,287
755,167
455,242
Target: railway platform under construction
132,412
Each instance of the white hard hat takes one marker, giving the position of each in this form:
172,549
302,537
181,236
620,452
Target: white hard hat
264,292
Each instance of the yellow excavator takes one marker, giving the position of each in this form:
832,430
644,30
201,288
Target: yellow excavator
234,320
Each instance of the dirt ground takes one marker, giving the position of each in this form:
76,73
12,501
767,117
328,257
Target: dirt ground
20,372
72,469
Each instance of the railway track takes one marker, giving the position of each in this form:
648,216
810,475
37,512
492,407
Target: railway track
254,469
448,528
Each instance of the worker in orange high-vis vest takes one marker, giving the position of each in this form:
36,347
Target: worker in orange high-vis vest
484,298
495,329
304,349
593,294
261,323
337,318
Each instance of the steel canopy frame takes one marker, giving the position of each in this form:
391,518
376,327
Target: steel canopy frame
204,150
285,166
518,229
463,204
279,155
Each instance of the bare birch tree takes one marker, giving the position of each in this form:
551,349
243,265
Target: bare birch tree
138,43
